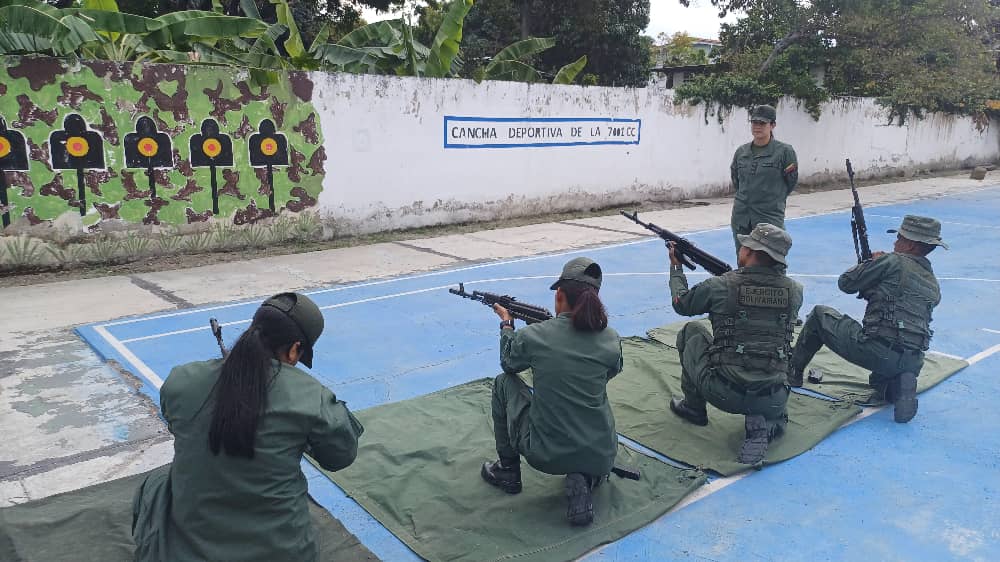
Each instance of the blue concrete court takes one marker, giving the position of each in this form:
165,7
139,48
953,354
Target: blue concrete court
927,490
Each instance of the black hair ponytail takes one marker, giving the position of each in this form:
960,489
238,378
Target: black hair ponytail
241,395
589,314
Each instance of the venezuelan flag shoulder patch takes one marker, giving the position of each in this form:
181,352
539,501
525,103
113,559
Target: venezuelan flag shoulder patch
791,168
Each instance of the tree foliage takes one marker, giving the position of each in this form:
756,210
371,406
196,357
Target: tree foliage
608,32
676,50
912,55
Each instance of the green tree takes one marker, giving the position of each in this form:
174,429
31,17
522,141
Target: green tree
677,50
609,32
929,55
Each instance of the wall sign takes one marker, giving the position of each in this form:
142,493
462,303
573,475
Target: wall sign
535,132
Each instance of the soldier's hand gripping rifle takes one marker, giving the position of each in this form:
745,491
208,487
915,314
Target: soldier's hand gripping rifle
217,332
683,248
530,314
859,229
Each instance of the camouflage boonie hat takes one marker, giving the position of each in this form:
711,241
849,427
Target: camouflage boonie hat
763,113
769,239
920,229
584,270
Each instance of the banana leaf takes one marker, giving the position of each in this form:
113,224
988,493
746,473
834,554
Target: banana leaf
384,33
293,45
446,42
520,50
511,70
568,73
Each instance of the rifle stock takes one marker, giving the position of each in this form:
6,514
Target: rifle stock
683,248
527,313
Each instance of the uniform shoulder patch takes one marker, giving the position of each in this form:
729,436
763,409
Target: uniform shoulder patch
791,168
767,297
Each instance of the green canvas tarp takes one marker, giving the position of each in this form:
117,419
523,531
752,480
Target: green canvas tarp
640,395
95,523
841,379
417,473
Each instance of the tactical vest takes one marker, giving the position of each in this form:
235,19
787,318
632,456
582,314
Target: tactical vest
755,331
901,314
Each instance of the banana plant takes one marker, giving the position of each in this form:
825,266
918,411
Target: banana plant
100,30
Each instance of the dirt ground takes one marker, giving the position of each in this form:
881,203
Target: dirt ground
184,261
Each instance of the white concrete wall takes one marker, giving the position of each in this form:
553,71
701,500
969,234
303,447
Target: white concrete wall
388,167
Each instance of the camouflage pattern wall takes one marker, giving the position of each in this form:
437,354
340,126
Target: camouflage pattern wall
140,143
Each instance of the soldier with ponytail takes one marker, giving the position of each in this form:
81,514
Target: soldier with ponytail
241,425
564,427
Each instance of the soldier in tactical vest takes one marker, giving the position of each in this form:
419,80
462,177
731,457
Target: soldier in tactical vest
741,366
764,171
901,291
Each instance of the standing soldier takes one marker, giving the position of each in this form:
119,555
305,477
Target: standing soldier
901,291
740,367
764,171
566,425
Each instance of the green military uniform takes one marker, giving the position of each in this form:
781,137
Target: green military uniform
762,178
221,507
902,292
567,425
741,366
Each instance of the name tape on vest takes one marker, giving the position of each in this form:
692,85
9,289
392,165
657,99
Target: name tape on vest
768,297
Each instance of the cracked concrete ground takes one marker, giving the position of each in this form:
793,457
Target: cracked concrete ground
69,419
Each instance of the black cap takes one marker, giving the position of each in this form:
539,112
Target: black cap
584,270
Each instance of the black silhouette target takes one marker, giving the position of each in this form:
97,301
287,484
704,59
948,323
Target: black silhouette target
76,148
211,149
268,149
147,148
13,156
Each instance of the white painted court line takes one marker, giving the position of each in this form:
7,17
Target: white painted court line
942,222
118,346
983,355
991,331
399,279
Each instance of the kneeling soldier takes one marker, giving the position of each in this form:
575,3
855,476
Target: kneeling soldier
566,425
741,366
901,291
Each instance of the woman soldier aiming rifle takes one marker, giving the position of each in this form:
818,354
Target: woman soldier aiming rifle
566,425
235,490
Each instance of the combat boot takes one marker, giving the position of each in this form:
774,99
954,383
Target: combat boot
903,390
758,436
579,498
504,474
794,377
682,409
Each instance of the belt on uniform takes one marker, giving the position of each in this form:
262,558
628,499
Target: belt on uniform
899,348
766,391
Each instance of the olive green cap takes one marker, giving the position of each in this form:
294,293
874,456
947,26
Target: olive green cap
304,315
584,270
921,229
769,239
764,113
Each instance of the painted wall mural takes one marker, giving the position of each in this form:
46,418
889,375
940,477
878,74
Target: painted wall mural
154,144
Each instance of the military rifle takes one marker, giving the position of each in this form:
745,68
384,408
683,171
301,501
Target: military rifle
530,314
683,248
859,229
217,332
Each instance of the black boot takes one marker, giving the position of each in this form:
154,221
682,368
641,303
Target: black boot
504,474
579,500
904,391
682,409
794,377
758,436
